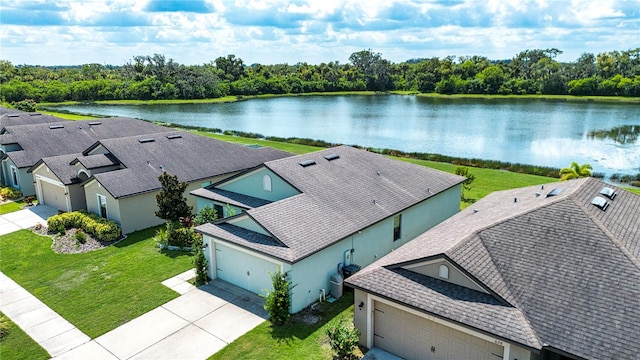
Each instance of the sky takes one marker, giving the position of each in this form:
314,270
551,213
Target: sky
68,32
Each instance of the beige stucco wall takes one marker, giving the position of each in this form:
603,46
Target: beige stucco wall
135,212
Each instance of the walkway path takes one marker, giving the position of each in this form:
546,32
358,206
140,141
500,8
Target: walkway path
193,326
25,218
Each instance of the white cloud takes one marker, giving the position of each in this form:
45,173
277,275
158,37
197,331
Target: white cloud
269,31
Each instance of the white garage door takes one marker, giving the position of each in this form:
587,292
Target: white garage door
53,195
413,337
243,269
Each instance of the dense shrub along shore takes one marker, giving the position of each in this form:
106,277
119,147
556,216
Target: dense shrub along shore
154,77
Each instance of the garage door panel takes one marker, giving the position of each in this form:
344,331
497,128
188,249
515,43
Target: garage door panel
414,337
53,195
243,269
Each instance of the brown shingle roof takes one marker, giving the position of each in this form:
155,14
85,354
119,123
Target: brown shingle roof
570,268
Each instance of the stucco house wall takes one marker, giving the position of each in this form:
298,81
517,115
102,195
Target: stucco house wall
251,184
92,189
25,179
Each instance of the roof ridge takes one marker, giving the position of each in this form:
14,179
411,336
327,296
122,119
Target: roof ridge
529,329
610,235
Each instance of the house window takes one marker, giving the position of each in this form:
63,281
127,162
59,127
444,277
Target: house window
219,210
397,225
443,271
266,183
14,177
102,206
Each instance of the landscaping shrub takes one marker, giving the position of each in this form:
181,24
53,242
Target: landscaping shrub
102,229
199,261
29,200
343,337
278,301
206,215
182,237
10,193
80,236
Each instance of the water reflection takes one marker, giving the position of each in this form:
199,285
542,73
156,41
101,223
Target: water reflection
625,134
546,133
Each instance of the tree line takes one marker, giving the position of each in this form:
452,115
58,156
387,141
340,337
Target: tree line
154,77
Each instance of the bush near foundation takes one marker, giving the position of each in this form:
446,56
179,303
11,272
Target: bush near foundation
101,229
10,193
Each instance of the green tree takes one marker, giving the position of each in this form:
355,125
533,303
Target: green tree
376,70
575,171
172,205
206,215
278,301
466,185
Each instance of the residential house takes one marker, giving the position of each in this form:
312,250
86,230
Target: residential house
119,177
22,146
546,272
310,215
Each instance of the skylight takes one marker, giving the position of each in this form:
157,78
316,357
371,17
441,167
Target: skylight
174,136
600,203
554,192
608,192
56,126
146,140
332,157
307,163
95,123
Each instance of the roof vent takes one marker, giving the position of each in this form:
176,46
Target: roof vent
34,114
146,140
174,136
332,157
13,115
95,123
554,192
56,126
307,163
608,192
601,203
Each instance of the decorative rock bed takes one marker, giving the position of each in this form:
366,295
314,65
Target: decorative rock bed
68,244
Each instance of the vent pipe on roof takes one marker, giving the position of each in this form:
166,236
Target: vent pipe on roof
515,200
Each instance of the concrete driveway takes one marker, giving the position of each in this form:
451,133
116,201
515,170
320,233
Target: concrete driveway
194,326
25,218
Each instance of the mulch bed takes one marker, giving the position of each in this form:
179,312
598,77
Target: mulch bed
68,244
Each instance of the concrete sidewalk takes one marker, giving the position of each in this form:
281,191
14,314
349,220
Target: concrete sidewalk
55,334
25,218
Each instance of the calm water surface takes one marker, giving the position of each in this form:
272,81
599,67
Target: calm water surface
548,133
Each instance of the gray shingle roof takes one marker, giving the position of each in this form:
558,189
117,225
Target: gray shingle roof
570,268
229,197
338,196
191,157
96,161
59,165
68,137
14,117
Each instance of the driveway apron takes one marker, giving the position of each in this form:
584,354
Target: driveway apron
195,325
25,218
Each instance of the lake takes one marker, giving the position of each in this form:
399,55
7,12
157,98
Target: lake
529,131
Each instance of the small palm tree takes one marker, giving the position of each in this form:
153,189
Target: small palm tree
575,171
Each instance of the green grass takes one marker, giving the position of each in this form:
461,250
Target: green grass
289,147
17,345
634,190
67,116
11,207
95,291
295,340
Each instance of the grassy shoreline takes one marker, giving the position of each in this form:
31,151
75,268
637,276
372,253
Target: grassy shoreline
230,99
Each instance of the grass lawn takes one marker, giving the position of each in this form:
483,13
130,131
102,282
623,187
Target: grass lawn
17,345
11,206
67,116
96,291
295,340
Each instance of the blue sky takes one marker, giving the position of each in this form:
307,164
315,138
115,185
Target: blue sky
67,32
